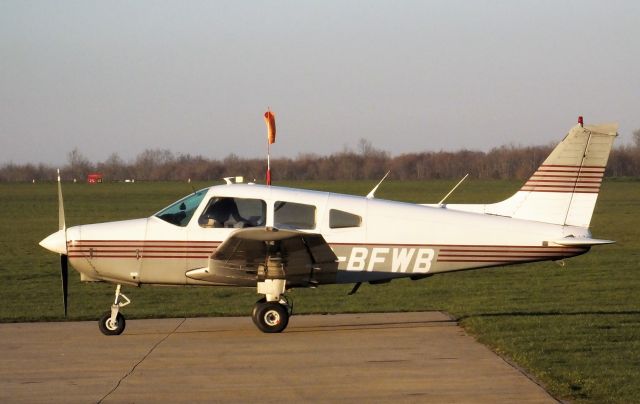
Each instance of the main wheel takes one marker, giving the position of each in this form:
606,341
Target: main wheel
107,327
254,313
270,317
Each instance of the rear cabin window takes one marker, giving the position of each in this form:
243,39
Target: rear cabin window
339,219
294,215
225,212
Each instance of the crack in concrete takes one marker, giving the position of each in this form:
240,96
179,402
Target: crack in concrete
140,361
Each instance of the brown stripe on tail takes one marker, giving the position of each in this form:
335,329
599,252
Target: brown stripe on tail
562,178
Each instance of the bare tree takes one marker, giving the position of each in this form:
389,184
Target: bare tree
506,162
636,138
114,168
78,165
154,165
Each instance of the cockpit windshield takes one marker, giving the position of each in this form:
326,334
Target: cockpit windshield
180,213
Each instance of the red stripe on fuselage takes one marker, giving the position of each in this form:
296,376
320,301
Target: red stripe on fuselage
135,257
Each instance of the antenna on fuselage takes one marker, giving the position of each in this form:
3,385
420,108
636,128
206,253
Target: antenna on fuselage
453,189
238,179
371,194
191,185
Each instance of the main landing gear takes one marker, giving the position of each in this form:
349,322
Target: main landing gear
112,322
271,317
271,313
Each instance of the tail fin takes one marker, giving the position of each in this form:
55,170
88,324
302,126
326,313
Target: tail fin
564,189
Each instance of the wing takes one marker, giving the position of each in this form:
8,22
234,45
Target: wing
252,255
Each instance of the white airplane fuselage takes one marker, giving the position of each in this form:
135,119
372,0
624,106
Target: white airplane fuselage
394,239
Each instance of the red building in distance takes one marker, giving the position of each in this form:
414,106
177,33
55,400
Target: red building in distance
94,178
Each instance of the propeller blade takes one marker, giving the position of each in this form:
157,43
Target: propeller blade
64,259
64,273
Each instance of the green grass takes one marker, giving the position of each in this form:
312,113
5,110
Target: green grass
575,328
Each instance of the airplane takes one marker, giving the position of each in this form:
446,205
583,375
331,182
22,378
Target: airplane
275,239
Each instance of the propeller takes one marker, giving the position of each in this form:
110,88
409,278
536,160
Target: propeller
64,273
64,259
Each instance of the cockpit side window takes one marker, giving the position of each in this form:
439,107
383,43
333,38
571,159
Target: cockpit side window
179,213
293,215
234,213
339,219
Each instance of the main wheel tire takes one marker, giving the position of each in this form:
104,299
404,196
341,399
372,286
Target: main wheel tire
109,328
254,313
270,317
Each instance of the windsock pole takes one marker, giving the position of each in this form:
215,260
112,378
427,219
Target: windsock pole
270,120
268,163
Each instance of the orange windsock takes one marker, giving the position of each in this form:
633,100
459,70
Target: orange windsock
270,120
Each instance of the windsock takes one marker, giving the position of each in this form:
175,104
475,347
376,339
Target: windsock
270,120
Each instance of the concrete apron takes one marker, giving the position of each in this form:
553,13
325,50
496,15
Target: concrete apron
409,357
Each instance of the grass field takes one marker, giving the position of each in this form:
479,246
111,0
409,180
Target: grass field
575,328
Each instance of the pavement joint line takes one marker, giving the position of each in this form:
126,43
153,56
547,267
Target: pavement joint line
140,361
524,373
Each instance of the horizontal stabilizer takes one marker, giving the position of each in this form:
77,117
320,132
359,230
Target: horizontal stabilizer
581,241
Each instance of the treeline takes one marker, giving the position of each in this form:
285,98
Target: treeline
506,162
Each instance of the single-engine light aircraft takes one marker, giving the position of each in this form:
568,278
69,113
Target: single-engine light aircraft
275,238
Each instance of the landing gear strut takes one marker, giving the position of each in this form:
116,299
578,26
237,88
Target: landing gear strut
271,313
112,322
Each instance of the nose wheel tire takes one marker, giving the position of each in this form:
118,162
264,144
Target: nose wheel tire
107,327
270,317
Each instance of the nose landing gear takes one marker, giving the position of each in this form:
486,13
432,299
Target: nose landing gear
113,322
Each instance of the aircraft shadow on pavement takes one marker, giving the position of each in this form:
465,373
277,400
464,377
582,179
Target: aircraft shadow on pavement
336,327
371,326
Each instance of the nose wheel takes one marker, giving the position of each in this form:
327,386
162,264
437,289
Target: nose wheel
112,322
109,327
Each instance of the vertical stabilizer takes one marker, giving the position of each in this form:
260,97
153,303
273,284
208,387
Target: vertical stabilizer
564,189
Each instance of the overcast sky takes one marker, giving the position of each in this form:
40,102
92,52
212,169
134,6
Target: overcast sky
195,77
